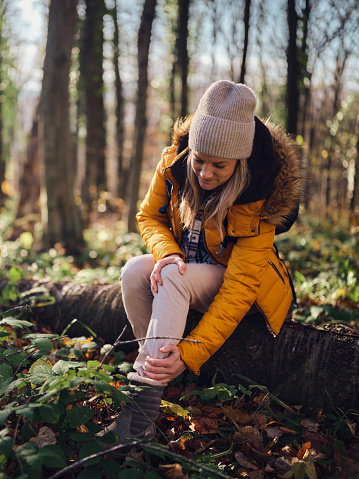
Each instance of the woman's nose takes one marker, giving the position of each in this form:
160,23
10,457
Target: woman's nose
206,172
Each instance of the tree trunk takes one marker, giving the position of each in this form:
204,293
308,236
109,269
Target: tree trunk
246,18
303,365
28,208
119,107
62,223
293,70
143,44
183,61
92,68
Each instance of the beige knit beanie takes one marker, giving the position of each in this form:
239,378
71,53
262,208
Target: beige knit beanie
223,124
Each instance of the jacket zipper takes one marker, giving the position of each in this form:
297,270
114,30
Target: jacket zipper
205,245
269,327
276,270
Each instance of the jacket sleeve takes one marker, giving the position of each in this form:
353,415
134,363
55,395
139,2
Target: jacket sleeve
154,226
237,294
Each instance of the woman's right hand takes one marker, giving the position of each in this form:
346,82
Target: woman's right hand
156,272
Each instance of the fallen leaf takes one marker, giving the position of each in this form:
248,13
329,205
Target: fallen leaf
245,461
273,432
250,434
259,420
204,425
238,416
309,425
304,451
172,471
174,408
45,436
256,475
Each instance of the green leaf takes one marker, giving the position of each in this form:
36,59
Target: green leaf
41,374
29,458
339,446
93,364
30,411
16,323
28,431
5,413
5,387
61,367
87,450
5,371
92,472
16,273
111,468
131,474
50,413
16,358
79,415
5,446
43,343
52,456
82,436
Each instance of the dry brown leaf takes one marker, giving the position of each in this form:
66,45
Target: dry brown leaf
250,434
273,432
172,471
259,420
204,425
256,475
310,425
45,436
245,461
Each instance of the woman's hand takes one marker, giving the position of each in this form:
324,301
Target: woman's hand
164,370
156,272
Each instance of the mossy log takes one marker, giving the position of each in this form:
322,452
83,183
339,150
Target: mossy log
303,365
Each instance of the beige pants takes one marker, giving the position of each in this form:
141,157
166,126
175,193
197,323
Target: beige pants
165,312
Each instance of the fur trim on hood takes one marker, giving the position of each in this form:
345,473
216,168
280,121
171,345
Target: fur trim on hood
277,171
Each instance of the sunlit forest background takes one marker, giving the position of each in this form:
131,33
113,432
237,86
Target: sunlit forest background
90,91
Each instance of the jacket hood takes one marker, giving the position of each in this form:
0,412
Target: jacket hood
276,170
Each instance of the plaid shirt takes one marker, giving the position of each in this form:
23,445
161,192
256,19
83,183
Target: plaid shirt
192,243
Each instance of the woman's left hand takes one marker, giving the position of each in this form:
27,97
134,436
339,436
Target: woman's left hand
164,370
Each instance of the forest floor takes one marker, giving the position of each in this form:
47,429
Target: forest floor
57,391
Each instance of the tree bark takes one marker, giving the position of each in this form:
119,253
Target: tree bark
293,70
92,68
144,39
62,223
119,106
28,207
303,365
246,18
183,60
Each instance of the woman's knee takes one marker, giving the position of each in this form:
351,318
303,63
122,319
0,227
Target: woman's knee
137,268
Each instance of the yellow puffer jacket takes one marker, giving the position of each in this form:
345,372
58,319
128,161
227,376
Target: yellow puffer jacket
254,273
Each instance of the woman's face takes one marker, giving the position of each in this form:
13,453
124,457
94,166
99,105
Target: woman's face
211,171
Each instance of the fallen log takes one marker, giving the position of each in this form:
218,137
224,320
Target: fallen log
303,365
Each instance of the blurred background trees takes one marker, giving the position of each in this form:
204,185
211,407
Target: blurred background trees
80,134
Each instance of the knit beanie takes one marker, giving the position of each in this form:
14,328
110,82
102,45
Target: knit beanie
223,124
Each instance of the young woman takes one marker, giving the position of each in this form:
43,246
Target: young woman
219,194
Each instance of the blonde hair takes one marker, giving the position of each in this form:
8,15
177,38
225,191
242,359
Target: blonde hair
216,208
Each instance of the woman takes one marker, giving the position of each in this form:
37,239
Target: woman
209,219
